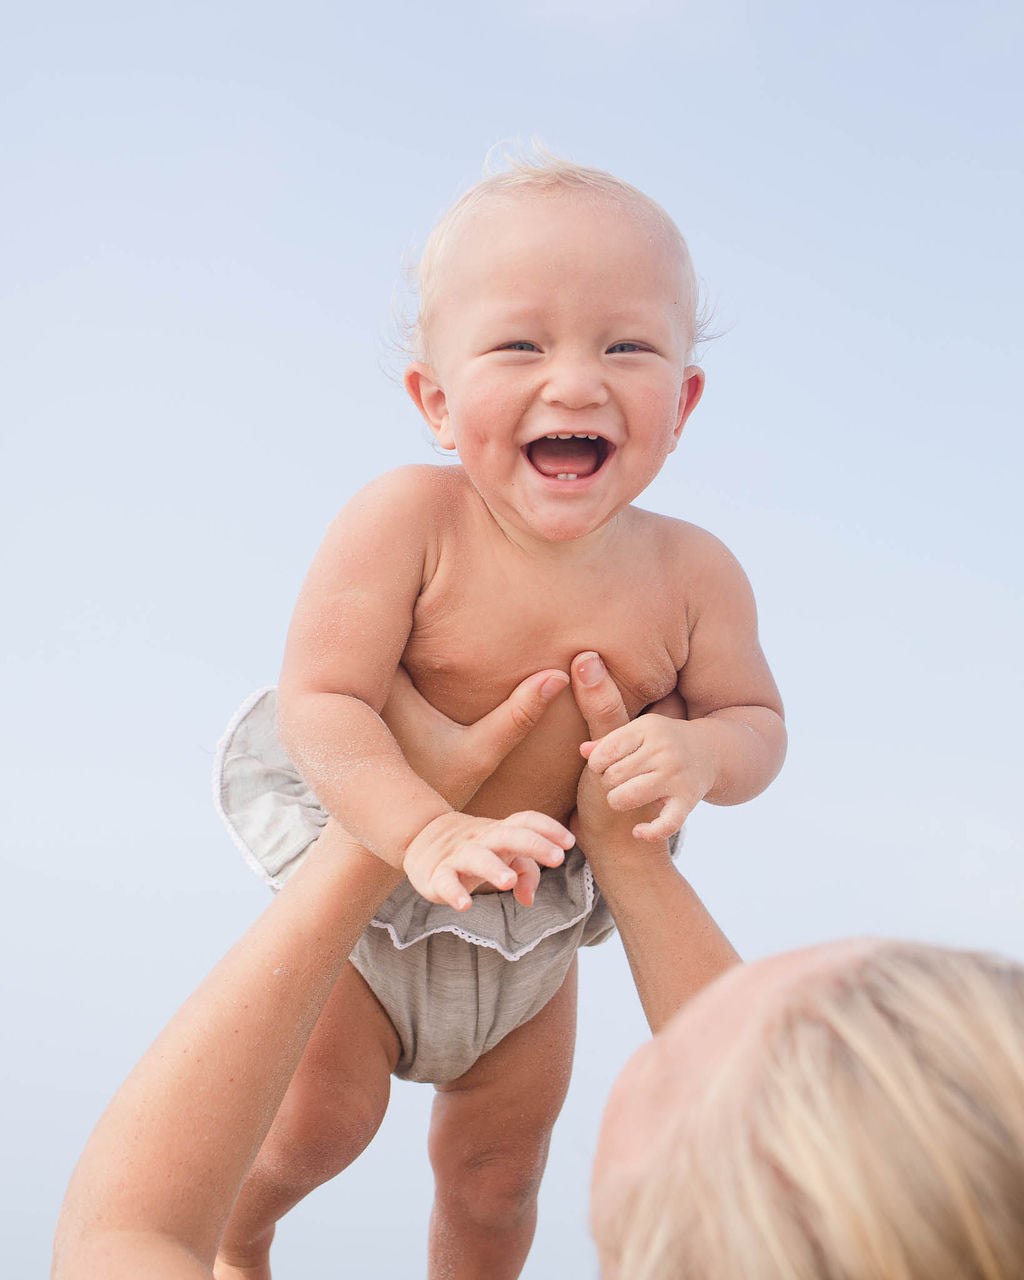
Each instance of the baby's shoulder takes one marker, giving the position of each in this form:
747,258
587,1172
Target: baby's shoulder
411,493
700,565
679,538
418,481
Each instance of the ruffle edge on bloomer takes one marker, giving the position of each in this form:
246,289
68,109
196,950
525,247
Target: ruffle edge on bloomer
273,817
564,897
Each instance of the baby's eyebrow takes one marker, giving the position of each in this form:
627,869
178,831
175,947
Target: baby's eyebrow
505,313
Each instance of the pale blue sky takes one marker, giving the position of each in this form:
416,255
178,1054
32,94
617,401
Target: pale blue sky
206,208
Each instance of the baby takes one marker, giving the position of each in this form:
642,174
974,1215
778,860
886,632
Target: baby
556,325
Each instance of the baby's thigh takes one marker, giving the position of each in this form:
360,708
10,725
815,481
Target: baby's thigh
340,1090
506,1104
354,1037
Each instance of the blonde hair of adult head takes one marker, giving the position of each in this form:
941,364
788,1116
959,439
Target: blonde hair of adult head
538,174
872,1130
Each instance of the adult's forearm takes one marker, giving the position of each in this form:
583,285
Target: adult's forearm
164,1165
130,1255
672,943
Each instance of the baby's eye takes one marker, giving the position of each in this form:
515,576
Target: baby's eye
620,347
519,346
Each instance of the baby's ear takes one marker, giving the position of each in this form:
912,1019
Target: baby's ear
428,396
691,391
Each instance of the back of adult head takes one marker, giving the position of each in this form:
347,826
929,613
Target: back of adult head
860,1115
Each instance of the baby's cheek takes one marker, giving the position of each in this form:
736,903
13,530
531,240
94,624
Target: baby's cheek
492,404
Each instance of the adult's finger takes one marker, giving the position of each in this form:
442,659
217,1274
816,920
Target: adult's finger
597,695
494,736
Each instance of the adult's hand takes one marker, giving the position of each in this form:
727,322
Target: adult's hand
673,945
601,831
456,759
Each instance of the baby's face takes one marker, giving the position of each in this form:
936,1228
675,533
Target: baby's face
558,346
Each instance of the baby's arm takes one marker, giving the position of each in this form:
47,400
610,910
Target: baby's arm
734,740
348,632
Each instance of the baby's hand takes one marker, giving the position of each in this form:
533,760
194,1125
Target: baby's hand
654,760
457,851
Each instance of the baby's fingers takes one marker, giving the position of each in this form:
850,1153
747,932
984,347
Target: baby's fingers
445,886
634,793
542,825
667,823
613,747
475,861
478,860
529,878
511,841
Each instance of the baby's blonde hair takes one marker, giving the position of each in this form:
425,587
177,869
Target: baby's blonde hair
873,1131
537,172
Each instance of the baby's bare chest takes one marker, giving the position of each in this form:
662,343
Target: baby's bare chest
482,628
487,619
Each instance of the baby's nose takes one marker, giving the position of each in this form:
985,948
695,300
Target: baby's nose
575,383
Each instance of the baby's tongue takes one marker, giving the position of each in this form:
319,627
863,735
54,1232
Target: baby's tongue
555,457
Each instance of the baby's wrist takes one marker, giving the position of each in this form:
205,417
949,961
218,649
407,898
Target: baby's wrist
364,862
704,767
395,842
428,833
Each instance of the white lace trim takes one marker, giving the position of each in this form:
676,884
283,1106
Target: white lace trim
478,941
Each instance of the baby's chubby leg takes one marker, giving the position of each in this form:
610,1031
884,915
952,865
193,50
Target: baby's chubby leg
333,1107
489,1137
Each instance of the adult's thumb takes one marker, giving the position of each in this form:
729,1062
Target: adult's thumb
494,736
597,695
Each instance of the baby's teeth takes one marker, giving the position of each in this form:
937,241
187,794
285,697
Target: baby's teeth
564,436
568,475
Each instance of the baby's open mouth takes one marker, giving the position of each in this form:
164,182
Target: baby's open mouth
568,457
